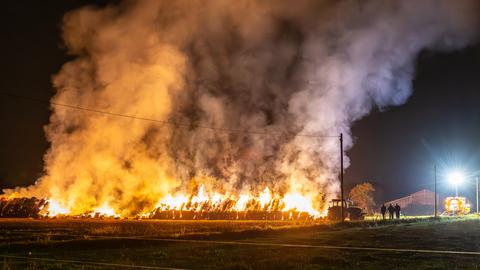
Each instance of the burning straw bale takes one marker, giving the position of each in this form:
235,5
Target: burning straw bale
21,207
231,215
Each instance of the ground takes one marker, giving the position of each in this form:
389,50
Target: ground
447,243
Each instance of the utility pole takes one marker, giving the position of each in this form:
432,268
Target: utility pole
477,191
435,188
341,174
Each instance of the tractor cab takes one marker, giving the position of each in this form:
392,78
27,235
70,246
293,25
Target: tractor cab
338,203
350,211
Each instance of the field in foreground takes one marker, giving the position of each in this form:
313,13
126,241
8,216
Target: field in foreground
97,244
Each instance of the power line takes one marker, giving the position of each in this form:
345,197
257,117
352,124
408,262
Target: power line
164,122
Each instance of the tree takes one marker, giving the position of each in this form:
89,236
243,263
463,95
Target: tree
362,195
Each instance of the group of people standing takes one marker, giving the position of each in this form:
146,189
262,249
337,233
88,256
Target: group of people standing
394,211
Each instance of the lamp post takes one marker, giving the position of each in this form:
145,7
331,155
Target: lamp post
435,189
456,178
476,182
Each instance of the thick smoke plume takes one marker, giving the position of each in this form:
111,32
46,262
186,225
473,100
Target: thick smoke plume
284,68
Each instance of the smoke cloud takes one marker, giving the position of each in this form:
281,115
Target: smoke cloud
275,67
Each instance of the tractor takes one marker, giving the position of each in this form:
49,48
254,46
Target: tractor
350,211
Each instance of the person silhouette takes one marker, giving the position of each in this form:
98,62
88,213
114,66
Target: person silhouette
391,210
397,210
383,210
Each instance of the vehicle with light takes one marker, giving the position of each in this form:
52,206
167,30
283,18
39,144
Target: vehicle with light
456,206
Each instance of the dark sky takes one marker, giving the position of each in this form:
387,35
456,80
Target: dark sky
395,149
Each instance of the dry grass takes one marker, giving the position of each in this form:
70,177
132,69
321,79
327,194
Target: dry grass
41,230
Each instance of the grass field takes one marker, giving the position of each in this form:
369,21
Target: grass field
116,244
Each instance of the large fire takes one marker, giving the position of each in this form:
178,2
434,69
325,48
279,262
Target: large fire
224,109
231,205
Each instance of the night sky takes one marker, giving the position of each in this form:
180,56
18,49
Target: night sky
395,148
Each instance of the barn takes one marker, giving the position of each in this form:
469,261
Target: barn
420,203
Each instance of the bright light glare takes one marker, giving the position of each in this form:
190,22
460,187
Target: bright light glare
455,178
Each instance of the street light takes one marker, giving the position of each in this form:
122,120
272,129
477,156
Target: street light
476,191
455,178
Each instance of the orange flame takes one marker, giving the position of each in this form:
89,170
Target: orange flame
203,200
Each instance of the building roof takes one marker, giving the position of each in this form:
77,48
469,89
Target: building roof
421,197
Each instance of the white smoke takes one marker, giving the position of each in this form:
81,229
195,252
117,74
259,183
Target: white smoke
278,67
